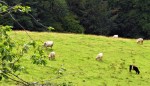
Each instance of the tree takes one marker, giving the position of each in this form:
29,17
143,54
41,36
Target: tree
9,59
92,15
129,18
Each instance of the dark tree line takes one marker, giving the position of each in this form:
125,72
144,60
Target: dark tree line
127,18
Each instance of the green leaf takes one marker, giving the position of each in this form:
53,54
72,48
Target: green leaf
4,58
33,43
9,58
0,78
5,76
11,65
50,28
43,62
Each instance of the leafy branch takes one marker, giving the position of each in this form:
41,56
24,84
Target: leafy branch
9,59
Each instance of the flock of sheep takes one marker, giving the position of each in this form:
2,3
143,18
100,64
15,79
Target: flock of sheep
50,44
98,57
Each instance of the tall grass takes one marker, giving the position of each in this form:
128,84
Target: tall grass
75,62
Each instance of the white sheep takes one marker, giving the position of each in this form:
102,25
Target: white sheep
139,41
48,44
115,36
51,55
99,56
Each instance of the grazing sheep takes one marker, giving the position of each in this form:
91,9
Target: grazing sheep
115,36
51,55
139,41
48,44
99,56
133,67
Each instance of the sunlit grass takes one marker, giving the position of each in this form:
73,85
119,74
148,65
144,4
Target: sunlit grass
75,53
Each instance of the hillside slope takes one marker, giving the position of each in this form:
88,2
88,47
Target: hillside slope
75,62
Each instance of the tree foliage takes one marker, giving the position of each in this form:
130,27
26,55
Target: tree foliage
127,18
131,17
11,52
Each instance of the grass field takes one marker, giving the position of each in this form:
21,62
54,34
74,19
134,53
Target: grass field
75,63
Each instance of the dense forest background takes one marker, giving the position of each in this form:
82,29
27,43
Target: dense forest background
127,18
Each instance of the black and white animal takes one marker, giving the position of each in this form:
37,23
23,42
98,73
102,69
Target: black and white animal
133,67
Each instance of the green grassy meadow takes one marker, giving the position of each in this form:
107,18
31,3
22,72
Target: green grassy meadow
75,63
